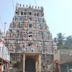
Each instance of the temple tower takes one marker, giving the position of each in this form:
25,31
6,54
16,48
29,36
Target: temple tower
29,40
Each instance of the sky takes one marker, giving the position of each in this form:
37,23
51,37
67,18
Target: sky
57,13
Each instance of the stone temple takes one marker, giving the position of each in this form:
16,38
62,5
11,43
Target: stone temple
29,41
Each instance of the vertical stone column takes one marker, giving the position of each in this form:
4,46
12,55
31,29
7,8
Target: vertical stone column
36,66
0,68
23,62
39,63
7,67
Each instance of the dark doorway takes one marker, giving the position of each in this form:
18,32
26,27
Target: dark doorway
30,64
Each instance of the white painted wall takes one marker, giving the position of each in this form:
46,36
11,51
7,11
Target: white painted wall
4,52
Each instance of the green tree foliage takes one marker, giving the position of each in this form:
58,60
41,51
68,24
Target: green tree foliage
63,42
59,40
68,42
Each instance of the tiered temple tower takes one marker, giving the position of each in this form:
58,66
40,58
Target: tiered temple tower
29,40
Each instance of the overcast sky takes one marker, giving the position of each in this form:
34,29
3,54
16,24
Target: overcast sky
58,14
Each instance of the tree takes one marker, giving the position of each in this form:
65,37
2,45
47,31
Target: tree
59,40
68,42
63,42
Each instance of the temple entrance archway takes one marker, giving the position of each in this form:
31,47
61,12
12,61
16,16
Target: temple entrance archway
31,62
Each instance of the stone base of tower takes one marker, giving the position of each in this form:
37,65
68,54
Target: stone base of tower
31,62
